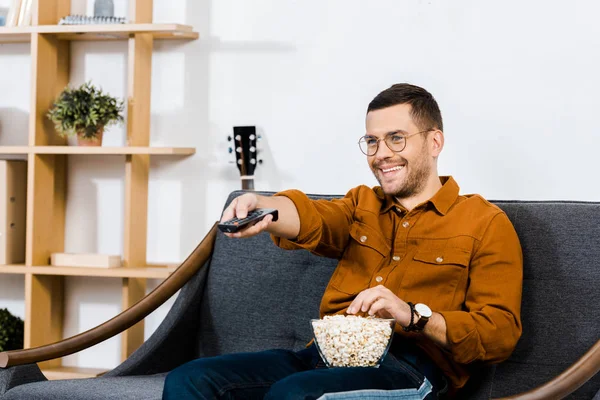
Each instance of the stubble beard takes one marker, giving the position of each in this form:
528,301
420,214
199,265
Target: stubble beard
414,183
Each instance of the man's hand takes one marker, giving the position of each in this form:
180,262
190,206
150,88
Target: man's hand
382,302
239,207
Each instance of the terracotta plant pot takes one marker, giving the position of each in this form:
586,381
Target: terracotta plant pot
93,141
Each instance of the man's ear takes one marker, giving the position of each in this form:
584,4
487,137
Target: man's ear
437,143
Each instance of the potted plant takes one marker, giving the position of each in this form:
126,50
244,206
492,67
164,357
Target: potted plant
11,331
85,111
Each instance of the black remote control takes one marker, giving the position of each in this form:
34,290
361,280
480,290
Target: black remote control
237,224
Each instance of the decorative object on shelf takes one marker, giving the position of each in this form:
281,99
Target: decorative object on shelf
3,15
11,331
85,112
19,13
104,8
85,260
245,138
13,204
85,20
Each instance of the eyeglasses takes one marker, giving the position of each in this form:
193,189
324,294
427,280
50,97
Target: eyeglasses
395,141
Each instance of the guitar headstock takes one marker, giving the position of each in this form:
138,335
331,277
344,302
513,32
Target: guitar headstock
244,147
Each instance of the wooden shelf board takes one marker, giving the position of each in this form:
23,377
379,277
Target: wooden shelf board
167,151
97,32
120,272
72,372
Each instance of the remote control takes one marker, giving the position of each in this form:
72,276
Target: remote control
237,224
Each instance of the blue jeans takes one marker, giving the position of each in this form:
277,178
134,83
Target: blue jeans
288,375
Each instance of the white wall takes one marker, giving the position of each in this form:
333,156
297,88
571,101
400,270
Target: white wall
517,83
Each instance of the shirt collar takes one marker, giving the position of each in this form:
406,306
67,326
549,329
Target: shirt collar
442,200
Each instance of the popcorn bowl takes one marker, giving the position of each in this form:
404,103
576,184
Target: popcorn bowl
352,341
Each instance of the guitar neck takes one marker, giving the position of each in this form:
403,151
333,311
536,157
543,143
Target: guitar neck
248,183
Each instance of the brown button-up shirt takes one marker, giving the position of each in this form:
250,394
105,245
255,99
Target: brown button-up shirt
459,254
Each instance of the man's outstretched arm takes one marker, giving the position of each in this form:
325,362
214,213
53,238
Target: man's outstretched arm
287,225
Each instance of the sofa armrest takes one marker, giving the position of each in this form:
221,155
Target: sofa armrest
567,382
19,375
124,320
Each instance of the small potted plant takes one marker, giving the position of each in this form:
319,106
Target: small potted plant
85,111
11,331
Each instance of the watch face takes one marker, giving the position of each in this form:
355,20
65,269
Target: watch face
423,310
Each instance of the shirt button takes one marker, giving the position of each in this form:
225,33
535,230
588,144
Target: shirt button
439,259
396,258
379,279
405,224
363,239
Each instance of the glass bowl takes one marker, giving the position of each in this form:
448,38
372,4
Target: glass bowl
352,341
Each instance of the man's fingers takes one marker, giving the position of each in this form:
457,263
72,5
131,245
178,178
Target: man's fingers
378,305
357,303
229,211
367,302
363,301
255,229
266,221
241,210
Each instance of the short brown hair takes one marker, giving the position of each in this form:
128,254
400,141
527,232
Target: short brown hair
425,111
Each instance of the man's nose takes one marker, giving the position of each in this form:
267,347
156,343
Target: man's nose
383,151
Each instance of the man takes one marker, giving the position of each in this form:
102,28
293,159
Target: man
446,267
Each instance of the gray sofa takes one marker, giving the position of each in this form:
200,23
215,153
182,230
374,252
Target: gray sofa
251,295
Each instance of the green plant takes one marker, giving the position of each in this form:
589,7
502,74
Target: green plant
85,110
11,331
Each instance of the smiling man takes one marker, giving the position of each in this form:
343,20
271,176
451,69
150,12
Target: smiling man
447,267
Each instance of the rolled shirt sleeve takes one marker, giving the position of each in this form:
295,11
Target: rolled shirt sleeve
489,328
324,224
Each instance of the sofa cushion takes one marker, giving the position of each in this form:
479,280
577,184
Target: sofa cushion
148,387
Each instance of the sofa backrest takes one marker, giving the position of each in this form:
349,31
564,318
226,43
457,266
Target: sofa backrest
561,293
258,296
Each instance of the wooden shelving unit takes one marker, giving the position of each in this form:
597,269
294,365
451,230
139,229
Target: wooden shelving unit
47,161
96,32
130,272
127,150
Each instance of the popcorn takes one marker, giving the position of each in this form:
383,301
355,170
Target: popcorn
352,341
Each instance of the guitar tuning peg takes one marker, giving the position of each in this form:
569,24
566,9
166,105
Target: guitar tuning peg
229,138
239,162
260,161
230,150
253,161
252,149
238,149
259,138
252,137
238,137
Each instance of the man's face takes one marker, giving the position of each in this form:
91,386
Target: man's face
403,174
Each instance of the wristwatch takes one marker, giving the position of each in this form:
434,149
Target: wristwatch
424,313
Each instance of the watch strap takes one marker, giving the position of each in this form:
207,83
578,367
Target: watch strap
421,322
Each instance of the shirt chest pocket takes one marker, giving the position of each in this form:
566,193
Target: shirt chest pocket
363,255
433,276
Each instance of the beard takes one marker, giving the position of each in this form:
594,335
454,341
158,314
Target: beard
415,180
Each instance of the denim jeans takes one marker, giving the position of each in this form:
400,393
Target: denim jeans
287,375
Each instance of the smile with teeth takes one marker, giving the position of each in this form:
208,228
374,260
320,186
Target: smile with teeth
396,168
